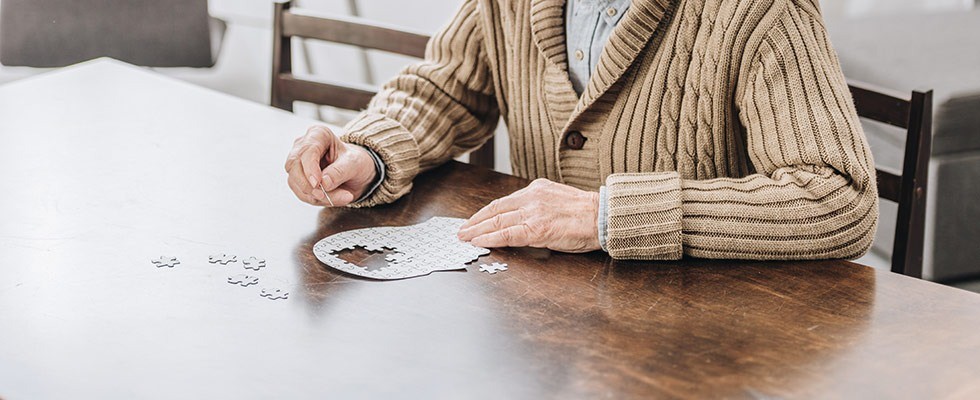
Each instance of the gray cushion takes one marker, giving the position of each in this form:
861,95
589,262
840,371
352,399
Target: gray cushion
54,33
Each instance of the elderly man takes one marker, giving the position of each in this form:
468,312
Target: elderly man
656,129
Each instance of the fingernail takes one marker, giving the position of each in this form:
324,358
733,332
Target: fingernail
312,180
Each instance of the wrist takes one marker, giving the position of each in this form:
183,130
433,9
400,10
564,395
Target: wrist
369,161
594,241
365,163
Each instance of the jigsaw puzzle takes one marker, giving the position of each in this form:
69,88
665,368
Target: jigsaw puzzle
165,261
253,263
417,250
243,280
493,268
274,294
222,259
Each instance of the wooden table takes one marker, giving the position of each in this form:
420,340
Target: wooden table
104,166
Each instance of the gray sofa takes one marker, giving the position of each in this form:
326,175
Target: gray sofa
927,51
155,33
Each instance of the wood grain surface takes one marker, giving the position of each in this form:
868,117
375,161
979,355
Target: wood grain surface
104,166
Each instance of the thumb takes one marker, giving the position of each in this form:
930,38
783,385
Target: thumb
338,173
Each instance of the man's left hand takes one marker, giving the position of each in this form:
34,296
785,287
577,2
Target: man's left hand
544,214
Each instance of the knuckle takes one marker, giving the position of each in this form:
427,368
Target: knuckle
319,133
530,237
494,206
495,222
523,214
538,227
539,183
314,147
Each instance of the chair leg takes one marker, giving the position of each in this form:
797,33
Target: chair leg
483,156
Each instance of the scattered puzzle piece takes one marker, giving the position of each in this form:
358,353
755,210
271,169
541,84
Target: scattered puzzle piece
165,261
222,259
274,294
493,268
253,263
243,280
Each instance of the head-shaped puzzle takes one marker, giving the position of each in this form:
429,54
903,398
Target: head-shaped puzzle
416,249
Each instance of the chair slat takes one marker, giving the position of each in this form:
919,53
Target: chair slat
354,32
349,96
881,107
889,186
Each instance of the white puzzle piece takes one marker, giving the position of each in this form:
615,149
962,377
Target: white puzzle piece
493,268
166,261
416,249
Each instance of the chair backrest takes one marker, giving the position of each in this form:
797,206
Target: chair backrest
909,188
56,33
287,88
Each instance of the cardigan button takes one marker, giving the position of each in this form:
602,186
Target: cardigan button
574,140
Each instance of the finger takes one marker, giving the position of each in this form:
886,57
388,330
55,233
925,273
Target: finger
339,197
492,224
310,161
322,135
291,160
293,156
300,185
514,236
499,206
338,173
504,204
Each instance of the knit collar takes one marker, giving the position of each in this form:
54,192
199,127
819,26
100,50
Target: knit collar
625,44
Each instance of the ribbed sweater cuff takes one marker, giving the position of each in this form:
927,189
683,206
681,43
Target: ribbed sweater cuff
644,216
398,151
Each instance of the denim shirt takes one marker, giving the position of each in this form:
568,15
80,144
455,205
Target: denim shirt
588,24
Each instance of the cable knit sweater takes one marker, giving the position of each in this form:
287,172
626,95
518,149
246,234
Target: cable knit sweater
721,128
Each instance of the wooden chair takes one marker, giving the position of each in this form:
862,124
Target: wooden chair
287,88
909,188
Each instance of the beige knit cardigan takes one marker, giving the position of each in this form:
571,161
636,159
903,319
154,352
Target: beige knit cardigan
721,128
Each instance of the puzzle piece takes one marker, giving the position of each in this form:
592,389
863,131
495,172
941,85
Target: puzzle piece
222,259
274,294
243,280
416,250
165,261
253,263
493,268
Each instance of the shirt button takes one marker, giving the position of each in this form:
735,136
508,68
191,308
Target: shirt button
574,140
611,12
579,55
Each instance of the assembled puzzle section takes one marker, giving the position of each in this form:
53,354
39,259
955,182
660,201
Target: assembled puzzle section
416,250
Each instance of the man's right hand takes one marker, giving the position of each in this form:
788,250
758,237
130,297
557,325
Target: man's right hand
345,170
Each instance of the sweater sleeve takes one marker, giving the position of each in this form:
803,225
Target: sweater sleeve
813,194
432,111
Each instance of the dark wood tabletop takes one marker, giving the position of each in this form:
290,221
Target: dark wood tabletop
104,166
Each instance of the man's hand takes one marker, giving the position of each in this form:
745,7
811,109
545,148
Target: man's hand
544,214
344,169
